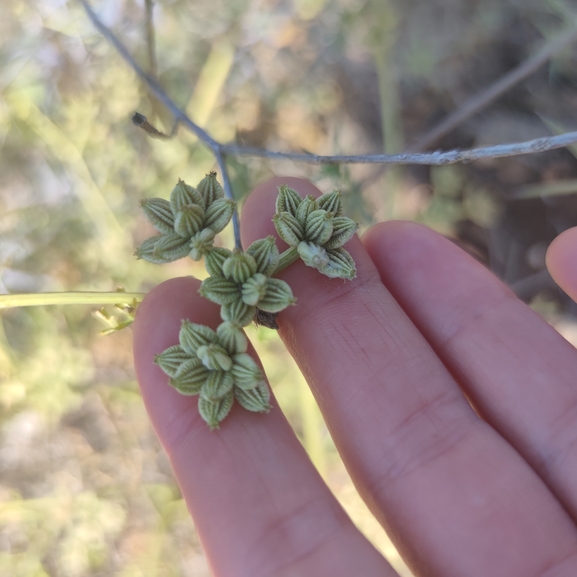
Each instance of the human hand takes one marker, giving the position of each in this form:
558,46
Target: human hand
392,358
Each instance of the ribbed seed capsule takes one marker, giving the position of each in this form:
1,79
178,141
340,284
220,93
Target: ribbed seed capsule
331,202
245,371
343,230
188,220
201,244
159,214
170,359
192,336
170,247
239,267
288,200
215,259
288,228
238,313
340,264
214,357
210,189
319,227
182,195
254,289
308,205
219,213
232,338
221,291
190,377
147,252
217,385
313,255
256,399
214,412
265,254
277,297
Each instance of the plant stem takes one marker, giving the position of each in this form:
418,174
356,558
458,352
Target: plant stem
67,298
287,258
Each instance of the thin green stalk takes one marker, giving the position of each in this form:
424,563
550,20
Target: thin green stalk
287,258
67,298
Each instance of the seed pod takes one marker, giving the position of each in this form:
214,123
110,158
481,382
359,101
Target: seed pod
277,297
245,371
239,267
171,359
288,228
265,254
147,252
214,357
319,227
313,255
159,214
308,205
182,195
232,338
238,313
340,264
192,336
170,247
256,399
201,244
221,291
190,377
215,259
288,200
343,230
210,189
217,385
219,213
331,202
254,289
188,220
214,412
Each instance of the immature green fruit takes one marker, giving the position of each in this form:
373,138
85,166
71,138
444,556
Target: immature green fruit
201,244
256,399
159,214
214,412
210,189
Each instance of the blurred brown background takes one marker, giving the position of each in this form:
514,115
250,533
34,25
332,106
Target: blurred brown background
85,489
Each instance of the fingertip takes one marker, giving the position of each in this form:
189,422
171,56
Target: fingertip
561,260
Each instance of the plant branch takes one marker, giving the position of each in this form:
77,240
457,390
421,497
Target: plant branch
68,298
496,89
433,158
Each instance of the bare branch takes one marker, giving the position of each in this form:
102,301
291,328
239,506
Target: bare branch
495,90
433,158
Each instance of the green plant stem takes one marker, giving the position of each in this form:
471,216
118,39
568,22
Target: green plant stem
67,298
287,258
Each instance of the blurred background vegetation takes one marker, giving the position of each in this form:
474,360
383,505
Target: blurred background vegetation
85,489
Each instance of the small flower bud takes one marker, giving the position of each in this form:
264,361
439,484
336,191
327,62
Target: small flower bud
217,385
313,255
343,230
288,200
239,267
331,202
214,412
214,357
171,359
232,338
288,228
265,254
219,213
201,244
221,291
159,214
188,220
319,227
245,371
210,189
256,399
254,289
277,297
190,377
182,195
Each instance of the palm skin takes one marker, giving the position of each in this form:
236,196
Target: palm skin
453,405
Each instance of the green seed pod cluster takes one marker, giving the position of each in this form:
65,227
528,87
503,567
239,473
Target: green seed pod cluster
240,282
187,223
317,229
215,366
